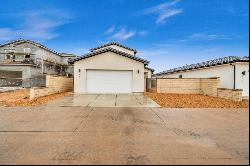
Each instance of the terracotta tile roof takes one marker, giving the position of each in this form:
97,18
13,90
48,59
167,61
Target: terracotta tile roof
215,62
20,41
113,43
107,50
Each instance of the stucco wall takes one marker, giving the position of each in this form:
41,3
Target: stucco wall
149,73
242,81
108,61
224,72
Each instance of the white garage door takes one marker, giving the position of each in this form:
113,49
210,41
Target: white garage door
109,81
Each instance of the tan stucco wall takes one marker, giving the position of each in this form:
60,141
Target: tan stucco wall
108,61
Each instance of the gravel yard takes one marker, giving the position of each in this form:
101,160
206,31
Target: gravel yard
194,101
21,98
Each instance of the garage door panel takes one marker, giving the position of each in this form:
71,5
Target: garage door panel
107,81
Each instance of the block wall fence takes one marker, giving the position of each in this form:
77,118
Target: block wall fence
54,84
206,86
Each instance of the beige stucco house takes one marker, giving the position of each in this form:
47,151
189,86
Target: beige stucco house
110,68
232,71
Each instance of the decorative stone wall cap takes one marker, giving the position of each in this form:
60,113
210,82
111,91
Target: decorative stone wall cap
214,77
230,89
188,78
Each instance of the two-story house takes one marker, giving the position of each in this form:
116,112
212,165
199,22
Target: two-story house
22,62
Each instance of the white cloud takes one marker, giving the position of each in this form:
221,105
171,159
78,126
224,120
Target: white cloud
166,14
210,36
164,11
162,6
142,33
123,34
36,25
110,30
198,37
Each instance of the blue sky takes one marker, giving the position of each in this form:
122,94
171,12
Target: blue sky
169,33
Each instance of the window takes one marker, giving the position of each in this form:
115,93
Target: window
7,56
27,56
180,76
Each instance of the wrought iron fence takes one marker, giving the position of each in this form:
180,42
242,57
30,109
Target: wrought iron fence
10,82
36,81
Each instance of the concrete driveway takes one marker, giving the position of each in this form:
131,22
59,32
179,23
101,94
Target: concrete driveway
94,135
101,100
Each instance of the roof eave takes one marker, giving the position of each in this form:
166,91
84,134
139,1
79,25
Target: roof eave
145,62
205,66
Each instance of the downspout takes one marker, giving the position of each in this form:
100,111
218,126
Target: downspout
234,76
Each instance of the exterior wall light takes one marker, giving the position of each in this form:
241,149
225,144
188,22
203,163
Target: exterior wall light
243,73
79,73
138,71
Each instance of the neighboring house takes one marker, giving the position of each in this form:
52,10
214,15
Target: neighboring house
65,60
110,68
232,71
26,60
